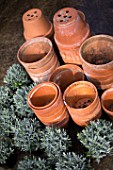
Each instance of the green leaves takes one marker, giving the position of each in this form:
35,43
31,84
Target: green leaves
71,161
97,138
16,77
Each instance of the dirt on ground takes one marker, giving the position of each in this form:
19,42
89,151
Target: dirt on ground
98,14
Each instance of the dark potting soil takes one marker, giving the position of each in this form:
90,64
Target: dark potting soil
99,16
97,59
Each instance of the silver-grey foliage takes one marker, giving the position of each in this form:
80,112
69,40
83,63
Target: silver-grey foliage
6,149
55,141
20,101
27,134
16,76
72,161
97,138
33,163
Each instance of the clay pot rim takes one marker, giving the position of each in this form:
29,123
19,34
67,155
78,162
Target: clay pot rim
102,103
34,89
77,84
67,66
26,44
27,12
87,41
76,45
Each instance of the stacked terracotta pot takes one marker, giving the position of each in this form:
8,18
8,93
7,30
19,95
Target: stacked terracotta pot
38,58
83,103
35,24
46,101
71,30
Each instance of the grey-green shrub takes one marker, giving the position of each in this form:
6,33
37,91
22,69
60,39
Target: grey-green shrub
72,161
7,119
16,76
33,163
6,149
55,141
20,101
6,97
27,134
97,138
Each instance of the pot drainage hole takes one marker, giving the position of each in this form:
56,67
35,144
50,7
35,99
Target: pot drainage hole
82,103
64,16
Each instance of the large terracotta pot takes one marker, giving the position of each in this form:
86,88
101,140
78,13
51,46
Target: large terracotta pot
107,102
71,30
82,101
38,58
97,60
36,24
66,74
46,101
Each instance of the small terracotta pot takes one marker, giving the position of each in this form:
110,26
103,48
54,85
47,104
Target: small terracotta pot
36,24
83,103
46,101
107,102
71,30
38,58
97,60
66,74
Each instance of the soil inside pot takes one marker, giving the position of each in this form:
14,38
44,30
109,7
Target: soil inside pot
82,103
98,59
35,52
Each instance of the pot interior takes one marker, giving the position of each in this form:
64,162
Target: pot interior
98,50
79,97
108,100
34,52
64,77
43,96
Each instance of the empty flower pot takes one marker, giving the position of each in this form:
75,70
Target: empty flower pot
71,30
66,74
46,101
83,103
38,58
96,54
36,24
107,102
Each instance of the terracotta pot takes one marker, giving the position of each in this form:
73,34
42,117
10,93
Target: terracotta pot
71,30
46,101
107,102
97,60
36,24
66,74
38,58
83,103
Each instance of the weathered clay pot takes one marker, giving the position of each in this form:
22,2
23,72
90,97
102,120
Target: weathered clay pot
82,101
46,101
96,54
38,57
66,74
71,30
36,24
107,102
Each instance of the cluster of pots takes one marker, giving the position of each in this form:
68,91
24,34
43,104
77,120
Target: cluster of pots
70,89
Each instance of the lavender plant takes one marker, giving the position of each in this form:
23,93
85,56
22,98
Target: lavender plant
33,163
16,77
97,138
